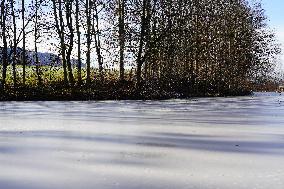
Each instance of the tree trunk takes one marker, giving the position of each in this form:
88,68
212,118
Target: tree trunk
71,40
60,31
38,71
121,27
141,43
89,40
24,61
5,46
14,44
98,41
79,43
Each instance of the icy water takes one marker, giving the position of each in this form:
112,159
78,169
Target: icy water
202,143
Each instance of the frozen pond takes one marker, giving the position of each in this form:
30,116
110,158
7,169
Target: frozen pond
203,143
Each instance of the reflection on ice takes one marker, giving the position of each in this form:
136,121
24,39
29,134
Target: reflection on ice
201,143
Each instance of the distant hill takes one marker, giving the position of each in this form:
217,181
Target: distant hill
45,59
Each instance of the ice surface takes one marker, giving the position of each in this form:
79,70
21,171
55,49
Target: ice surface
202,143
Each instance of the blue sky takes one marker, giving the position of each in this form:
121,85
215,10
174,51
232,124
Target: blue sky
275,12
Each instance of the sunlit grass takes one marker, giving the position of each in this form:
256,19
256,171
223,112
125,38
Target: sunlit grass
50,74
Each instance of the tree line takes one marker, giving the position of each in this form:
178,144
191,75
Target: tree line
187,46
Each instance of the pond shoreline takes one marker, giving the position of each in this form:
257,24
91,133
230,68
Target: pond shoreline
111,91
101,95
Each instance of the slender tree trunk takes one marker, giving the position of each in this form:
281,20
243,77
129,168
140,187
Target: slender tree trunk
60,31
79,43
38,71
89,40
5,46
141,43
62,41
24,61
71,40
14,43
121,7
98,40
148,38
197,48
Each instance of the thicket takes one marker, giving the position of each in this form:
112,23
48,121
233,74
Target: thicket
156,48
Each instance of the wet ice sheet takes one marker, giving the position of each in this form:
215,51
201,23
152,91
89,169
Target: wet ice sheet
199,143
